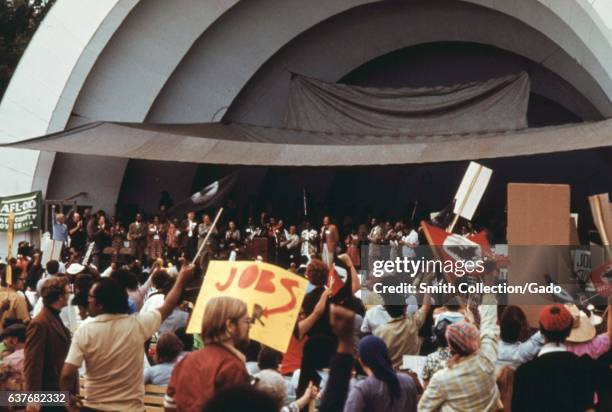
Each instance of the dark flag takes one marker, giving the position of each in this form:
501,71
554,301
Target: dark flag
211,196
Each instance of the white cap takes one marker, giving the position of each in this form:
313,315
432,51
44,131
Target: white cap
75,269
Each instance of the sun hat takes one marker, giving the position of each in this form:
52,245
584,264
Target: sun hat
582,329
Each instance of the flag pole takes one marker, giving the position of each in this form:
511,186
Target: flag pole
197,255
452,225
416,202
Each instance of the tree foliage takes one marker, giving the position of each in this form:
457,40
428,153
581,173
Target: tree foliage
19,19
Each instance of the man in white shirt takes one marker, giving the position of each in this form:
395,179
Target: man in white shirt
409,243
112,346
309,241
290,246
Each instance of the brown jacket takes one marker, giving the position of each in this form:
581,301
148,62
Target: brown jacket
46,347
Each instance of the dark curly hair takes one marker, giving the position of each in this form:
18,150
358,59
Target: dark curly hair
111,295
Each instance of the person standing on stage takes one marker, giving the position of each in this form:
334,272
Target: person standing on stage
137,235
172,241
375,237
232,236
117,236
409,242
290,247
60,230
76,231
309,242
189,235
155,238
329,241
211,244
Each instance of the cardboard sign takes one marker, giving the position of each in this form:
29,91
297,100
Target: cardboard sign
471,189
602,216
538,215
273,297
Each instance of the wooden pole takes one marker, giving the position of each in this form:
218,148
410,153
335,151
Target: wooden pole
452,225
197,255
416,202
9,240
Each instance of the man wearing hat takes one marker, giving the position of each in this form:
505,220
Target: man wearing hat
468,382
14,337
583,339
556,380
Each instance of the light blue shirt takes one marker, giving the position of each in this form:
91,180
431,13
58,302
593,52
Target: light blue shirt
515,354
158,374
60,230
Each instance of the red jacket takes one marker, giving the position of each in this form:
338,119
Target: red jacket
197,377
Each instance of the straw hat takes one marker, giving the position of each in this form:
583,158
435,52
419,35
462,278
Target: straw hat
75,269
582,329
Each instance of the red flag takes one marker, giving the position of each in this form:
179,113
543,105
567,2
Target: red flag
454,247
334,281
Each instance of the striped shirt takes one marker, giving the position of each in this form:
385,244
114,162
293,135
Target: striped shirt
470,384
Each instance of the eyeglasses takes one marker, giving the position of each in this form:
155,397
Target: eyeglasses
247,319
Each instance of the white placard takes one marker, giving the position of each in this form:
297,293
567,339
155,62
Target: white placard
51,249
415,364
471,189
582,264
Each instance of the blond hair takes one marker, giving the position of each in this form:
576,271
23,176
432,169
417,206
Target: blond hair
217,312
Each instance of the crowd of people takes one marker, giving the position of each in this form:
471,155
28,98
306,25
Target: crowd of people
107,328
171,238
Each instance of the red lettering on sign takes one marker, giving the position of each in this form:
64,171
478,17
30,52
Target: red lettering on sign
288,284
265,284
248,277
220,287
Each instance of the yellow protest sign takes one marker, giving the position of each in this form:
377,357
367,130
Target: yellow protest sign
273,297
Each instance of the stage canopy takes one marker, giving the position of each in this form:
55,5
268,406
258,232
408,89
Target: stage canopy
241,144
331,124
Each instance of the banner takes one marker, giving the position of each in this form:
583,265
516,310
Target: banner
27,208
273,297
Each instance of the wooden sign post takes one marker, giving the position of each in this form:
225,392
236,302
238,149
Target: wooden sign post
197,255
9,254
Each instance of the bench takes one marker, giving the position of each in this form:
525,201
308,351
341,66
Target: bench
153,398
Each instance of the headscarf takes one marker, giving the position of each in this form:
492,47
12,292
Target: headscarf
463,337
374,354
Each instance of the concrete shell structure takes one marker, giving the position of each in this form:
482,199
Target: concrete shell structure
187,61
